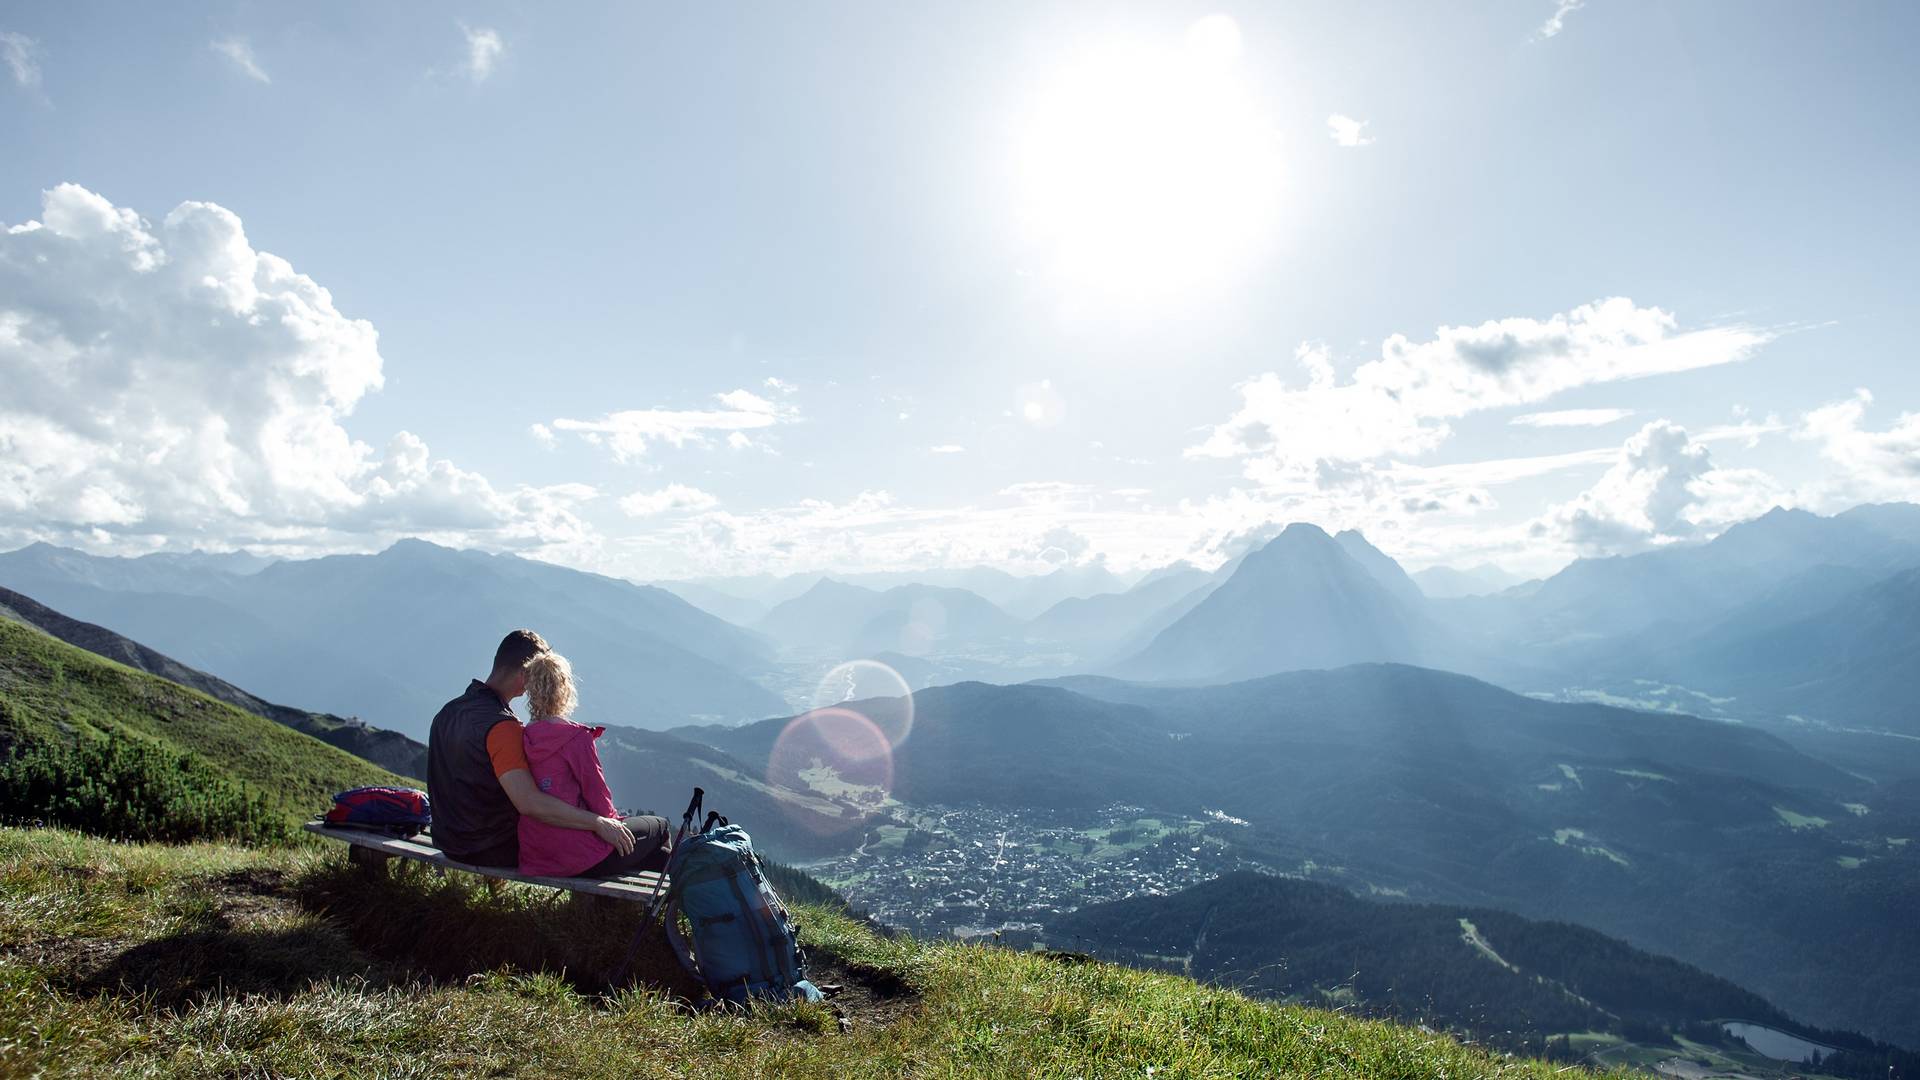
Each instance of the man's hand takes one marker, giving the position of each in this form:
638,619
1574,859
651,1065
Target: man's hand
616,834
534,803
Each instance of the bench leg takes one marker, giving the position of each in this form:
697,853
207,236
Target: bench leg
369,860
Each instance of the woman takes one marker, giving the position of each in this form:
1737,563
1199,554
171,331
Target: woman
566,765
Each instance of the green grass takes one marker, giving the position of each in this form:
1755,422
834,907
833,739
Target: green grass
53,695
209,960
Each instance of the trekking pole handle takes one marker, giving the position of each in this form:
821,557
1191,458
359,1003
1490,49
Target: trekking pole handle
687,821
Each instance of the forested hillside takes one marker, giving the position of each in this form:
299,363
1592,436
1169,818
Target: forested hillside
1517,982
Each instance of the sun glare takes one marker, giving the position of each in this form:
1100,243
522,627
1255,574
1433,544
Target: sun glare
1146,172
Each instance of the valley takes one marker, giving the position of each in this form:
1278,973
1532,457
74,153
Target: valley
968,871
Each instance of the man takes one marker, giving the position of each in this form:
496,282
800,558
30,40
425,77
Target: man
477,775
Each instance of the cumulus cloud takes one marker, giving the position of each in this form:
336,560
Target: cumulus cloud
22,56
1875,465
671,497
484,46
543,435
779,385
1558,20
169,384
238,50
1572,418
947,448
1662,487
1400,403
629,434
1346,131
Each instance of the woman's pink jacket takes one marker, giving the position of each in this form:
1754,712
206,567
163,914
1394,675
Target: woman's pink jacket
565,765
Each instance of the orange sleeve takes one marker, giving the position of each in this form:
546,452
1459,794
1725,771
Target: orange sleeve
504,747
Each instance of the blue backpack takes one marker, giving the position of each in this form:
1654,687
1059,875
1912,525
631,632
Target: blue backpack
743,937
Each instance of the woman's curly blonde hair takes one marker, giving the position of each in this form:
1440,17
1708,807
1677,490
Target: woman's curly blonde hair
550,686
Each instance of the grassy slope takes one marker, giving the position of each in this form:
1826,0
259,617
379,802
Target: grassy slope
46,683
214,960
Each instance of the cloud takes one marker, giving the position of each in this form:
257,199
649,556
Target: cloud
779,385
1060,546
947,448
630,433
240,52
1662,487
873,530
1558,20
1346,131
543,435
1046,492
1400,403
671,497
22,55
170,385
484,46
1572,418
1873,465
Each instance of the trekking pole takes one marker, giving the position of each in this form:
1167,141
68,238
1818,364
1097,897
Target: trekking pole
693,808
655,906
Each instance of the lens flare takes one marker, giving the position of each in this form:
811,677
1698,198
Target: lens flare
884,695
838,757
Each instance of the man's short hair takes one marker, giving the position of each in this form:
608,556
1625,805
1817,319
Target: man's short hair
516,649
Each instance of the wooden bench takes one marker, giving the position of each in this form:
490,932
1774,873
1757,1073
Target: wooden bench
371,848
650,889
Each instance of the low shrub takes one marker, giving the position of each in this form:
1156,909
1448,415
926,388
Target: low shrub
130,789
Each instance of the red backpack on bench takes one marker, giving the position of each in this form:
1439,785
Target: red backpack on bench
396,811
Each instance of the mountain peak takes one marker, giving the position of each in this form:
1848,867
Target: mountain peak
827,586
413,545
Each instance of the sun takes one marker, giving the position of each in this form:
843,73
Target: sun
1145,172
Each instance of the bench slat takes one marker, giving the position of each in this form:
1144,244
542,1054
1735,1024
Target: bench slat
645,887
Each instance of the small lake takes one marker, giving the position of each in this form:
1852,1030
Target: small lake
1776,1044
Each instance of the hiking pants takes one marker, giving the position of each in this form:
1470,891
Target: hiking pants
652,843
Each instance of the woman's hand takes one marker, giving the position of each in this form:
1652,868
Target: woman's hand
616,834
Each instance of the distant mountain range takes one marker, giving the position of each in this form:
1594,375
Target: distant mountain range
1021,597
1105,623
1790,614
390,637
910,619
1792,619
1448,583
1714,842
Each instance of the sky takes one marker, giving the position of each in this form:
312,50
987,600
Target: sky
665,292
